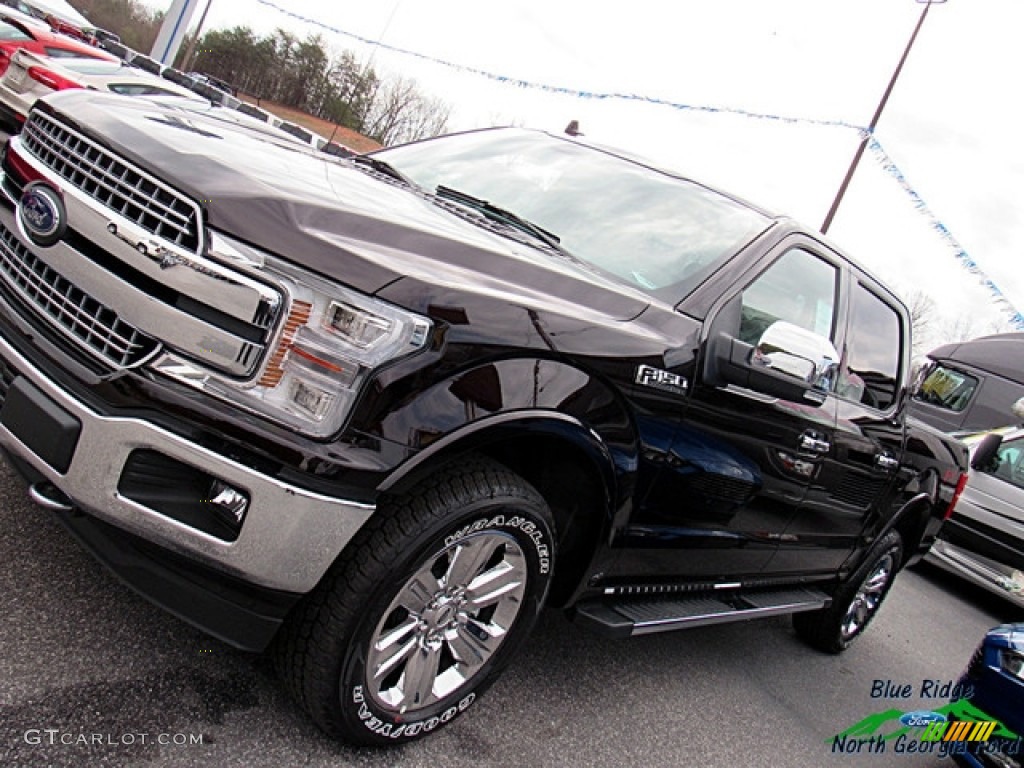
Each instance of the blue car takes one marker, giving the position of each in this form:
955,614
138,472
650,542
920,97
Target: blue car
994,684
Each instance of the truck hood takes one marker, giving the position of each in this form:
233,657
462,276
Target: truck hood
324,213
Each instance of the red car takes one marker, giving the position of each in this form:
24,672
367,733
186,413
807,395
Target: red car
18,31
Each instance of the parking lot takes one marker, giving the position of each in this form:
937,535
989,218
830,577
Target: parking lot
90,674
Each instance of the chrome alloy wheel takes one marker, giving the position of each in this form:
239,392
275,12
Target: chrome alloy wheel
446,622
869,596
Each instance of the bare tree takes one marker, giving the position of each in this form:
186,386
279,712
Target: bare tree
959,328
402,113
297,73
922,320
965,327
303,75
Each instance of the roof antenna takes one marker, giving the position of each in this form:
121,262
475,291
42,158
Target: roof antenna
573,128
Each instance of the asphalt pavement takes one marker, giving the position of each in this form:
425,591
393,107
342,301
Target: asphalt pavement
91,674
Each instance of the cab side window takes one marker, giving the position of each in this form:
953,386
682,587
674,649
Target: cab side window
871,373
947,388
1009,464
799,288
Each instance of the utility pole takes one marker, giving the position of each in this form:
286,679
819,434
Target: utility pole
874,120
190,54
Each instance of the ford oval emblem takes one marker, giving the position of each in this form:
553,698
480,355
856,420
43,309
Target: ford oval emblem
921,718
41,213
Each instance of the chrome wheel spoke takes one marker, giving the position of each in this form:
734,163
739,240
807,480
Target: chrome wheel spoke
382,664
503,580
850,619
467,560
860,613
419,591
469,650
419,676
877,582
396,635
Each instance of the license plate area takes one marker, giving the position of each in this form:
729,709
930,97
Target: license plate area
45,428
17,75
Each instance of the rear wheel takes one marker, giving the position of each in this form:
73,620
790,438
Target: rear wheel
856,602
425,609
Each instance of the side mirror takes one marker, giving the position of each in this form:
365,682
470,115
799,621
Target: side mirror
788,362
793,351
984,453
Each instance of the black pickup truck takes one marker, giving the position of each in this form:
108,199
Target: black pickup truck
372,414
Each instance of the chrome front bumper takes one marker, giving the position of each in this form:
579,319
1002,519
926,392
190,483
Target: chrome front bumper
290,536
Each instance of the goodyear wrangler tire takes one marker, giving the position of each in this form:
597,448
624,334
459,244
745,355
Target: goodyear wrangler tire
425,608
856,602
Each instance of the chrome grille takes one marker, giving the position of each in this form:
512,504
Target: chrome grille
70,309
124,189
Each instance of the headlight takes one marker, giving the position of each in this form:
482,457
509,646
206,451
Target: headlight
331,340
1012,663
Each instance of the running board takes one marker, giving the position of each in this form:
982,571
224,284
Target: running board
626,618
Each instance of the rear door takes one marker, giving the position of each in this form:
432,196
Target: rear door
854,486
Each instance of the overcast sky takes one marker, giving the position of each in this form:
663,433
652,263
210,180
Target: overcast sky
952,127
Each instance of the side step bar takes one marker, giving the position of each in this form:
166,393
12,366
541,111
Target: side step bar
620,618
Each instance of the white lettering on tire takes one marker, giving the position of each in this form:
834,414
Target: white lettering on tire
525,526
394,730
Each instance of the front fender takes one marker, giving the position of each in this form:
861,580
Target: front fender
512,398
515,425
563,430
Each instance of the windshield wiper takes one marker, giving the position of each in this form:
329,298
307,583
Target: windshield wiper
387,169
503,216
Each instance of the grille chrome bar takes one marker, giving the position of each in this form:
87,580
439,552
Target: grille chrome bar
70,309
136,247
124,189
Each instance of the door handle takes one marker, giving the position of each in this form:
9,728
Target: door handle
886,462
814,444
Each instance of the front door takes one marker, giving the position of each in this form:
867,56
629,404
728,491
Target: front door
741,462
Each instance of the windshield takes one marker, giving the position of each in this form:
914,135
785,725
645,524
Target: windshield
12,33
650,229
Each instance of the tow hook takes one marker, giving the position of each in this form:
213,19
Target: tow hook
49,496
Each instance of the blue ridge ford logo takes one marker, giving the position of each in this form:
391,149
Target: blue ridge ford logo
41,213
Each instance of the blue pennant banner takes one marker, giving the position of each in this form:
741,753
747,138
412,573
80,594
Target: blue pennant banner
1016,318
556,89
942,231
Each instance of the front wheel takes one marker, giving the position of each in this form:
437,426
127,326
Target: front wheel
425,609
856,601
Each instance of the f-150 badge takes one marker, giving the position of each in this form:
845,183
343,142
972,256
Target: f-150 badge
656,378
